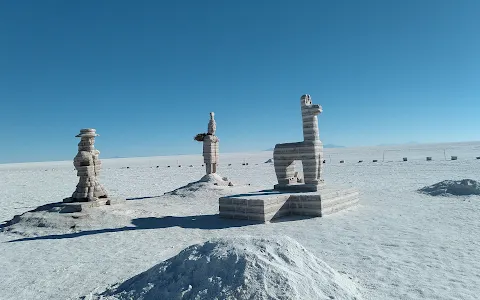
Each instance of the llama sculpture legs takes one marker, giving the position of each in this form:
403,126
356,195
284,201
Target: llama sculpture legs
312,163
310,153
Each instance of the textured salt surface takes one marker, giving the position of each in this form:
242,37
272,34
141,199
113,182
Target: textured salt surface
465,187
396,244
238,268
47,219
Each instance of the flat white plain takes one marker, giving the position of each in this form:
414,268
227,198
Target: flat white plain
396,244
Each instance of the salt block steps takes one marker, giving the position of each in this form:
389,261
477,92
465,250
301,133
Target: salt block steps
270,204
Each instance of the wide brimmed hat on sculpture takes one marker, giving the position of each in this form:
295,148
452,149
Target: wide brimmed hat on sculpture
87,132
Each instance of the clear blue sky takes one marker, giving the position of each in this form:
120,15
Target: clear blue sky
146,74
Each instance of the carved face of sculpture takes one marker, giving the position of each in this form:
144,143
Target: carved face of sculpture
212,115
306,100
308,108
90,141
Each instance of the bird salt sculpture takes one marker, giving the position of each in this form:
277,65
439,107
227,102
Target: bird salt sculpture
310,152
210,146
88,165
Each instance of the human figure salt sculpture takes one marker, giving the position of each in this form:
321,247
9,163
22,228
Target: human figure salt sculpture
210,146
88,168
310,152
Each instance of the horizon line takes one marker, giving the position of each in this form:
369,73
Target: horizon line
245,152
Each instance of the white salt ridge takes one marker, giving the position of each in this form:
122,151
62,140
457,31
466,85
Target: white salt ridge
238,268
465,187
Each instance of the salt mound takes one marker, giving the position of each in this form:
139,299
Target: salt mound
463,187
215,178
239,268
48,219
210,182
43,218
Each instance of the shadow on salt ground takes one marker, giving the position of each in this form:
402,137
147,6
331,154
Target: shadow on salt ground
206,222
264,193
292,218
141,198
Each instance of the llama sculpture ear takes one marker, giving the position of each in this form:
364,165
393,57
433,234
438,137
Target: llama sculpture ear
306,100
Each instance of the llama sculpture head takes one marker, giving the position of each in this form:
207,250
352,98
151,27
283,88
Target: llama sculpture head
309,118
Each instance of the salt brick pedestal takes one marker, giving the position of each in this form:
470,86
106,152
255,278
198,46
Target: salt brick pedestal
270,204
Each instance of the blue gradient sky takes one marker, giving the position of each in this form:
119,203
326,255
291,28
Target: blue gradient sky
146,74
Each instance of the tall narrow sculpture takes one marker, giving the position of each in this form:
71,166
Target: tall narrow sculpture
310,152
88,169
210,146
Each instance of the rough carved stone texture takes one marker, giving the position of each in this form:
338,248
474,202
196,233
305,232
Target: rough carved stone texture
310,152
88,167
210,147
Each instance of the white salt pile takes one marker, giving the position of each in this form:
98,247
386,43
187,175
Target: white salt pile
209,182
463,187
215,179
238,268
47,220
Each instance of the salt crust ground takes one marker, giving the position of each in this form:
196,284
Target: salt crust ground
47,221
238,268
397,244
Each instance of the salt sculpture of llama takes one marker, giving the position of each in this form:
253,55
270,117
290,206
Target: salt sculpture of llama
310,152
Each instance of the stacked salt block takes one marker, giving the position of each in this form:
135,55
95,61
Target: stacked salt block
269,205
88,166
310,152
210,147
308,196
